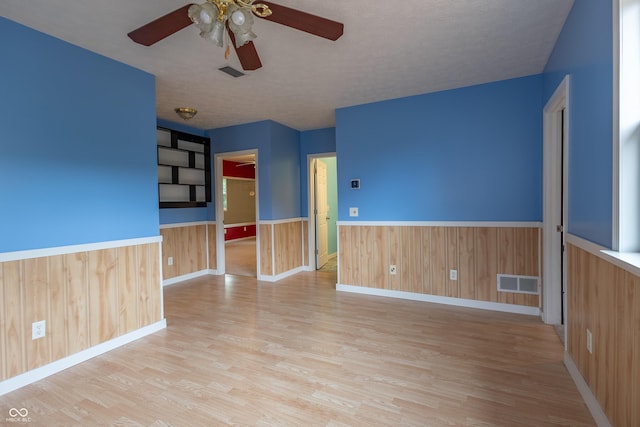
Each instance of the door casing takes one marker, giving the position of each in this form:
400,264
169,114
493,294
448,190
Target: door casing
555,203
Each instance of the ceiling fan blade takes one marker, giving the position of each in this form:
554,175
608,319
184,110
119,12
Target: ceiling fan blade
303,21
247,54
162,27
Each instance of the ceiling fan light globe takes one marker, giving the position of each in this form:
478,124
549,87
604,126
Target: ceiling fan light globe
241,25
238,18
194,13
204,17
244,38
217,34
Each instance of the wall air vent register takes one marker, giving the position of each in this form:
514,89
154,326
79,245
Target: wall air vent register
518,284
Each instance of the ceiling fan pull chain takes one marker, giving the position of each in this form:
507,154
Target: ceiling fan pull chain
227,51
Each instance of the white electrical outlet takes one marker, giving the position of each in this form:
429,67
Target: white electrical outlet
170,260
393,269
453,274
589,342
38,329
353,211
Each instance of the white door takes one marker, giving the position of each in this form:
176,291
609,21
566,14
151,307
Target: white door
322,212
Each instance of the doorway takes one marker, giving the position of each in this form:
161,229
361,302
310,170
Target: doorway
555,171
323,212
237,231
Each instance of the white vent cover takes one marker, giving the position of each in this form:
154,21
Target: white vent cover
518,284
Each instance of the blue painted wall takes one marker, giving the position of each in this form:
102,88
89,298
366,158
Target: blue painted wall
470,154
319,141
181,215
278,163
247,137
75,166
584,51
285,172
181,127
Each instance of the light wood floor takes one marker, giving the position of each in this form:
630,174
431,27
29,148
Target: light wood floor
297,353
331,265
240,257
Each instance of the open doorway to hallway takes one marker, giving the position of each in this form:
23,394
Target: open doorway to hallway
323,212
237,213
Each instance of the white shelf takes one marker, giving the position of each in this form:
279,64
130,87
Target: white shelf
184,177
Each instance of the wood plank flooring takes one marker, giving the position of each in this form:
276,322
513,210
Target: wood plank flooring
331,265
240,257
297,353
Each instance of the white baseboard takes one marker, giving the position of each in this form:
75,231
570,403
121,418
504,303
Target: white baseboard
184,277
265,278
37,374
460,302
587,395
280,276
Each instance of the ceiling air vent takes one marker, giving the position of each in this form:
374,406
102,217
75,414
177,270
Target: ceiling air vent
231,71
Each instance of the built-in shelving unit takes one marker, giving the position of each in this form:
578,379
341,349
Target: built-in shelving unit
184,169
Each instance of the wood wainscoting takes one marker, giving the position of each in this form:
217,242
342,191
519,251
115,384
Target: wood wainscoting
424,255
306,262
266,249
282,248
605,299
86,294
192,247
211,244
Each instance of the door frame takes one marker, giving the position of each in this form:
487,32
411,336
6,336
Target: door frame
554,178
220,251
311,206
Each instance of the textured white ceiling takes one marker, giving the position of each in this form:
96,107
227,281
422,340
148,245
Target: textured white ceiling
388,50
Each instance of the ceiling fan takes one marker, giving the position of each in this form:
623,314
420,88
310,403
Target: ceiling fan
236,16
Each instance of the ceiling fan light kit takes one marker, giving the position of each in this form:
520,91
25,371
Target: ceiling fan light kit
212,17
236,17
241,23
